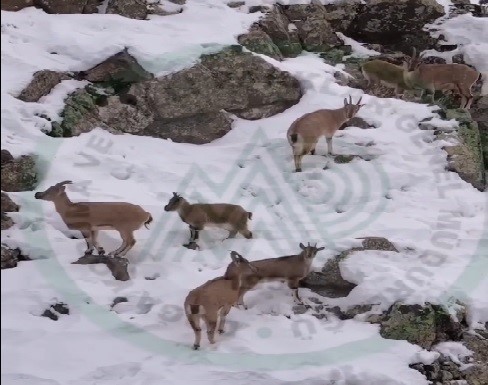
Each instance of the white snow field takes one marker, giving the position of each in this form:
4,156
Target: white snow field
398,188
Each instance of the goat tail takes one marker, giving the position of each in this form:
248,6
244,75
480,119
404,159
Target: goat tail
149,220
483,77
249,215
293,138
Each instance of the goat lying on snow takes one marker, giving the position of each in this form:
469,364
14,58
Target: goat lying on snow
200,215
290,268
305,132
90,217
215,298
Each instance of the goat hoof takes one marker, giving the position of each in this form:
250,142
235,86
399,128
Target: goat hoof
196,347
221,331
101,252
192,246
88,253
298,170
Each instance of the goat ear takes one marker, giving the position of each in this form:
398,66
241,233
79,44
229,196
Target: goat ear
302,246
235,257
321,248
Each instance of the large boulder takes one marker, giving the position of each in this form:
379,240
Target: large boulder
187,106
397,24
479,113
41,84
19,174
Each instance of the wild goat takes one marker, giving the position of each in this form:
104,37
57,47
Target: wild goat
290,268
388,74
215,298
90,217
457,77
201,215
305,132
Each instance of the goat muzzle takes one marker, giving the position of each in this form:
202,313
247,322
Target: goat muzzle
38,195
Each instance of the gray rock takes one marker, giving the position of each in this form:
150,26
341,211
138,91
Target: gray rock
119,69
16,5
41,84
278,28
133,9
19,175
258,41
8,205
6,157
61,6
11,257
397,24
116,265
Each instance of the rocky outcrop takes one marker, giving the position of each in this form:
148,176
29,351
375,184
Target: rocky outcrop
18,174
191,106
41,84
479,113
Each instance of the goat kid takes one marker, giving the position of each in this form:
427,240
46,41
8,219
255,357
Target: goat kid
305,132
198,216
289,268
215,298
90,217
459,78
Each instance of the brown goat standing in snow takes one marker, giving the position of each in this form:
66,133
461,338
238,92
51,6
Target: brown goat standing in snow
215,298
305,132
230,217
90,217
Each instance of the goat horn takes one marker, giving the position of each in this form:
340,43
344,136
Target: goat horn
359,101
350,99
63,183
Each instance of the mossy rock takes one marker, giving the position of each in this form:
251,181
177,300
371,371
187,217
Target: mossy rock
78,106
288,48
467,157
20,175
259,42
423,326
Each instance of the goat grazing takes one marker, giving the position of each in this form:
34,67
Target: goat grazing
459,78
290,268
388,74
90,217
198,216
305,132
215,298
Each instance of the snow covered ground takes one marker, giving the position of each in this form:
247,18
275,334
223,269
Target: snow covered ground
398,188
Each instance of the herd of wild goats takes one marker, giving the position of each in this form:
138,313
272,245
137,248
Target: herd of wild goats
215,298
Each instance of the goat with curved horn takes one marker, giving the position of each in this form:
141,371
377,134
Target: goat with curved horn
305,132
